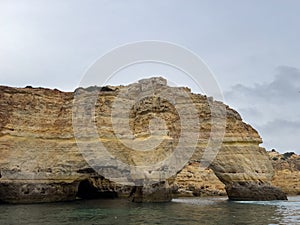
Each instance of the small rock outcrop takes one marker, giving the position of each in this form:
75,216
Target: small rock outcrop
41,156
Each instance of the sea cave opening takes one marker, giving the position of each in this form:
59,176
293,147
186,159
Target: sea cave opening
86,190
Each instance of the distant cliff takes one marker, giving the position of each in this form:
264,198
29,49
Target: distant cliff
287,171
40,160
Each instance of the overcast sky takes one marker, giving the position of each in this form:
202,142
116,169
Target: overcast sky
251,46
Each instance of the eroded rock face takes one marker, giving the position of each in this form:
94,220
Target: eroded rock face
38,147
158,192
31,191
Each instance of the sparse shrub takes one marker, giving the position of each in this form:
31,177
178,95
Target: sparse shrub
288,154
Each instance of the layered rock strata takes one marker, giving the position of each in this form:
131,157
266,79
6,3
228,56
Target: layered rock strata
42,161
196,181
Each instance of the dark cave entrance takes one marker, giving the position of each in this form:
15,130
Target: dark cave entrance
86,190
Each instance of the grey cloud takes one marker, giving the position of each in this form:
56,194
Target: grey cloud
273,108
286,85
282,135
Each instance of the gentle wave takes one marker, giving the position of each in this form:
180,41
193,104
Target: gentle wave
187,211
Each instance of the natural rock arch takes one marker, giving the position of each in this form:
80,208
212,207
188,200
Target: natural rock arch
38,151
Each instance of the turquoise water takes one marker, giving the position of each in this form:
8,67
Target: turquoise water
180,211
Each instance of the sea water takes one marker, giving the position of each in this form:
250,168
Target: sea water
211,210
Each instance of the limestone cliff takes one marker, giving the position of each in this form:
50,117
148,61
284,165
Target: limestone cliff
40,159
287,171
